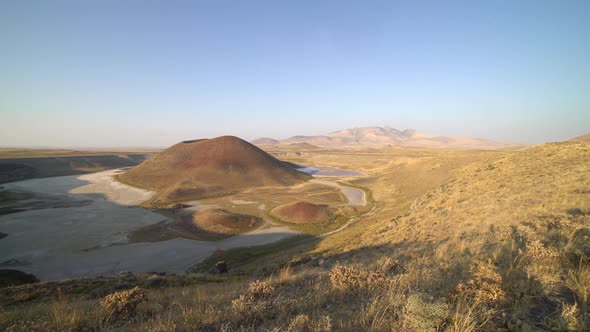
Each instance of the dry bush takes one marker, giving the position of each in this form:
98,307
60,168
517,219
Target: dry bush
285,275
485,287
570,319
159,323
122,304
579,243
423,313
391,266
378,314
350,278
29,326
537,251
300,323
63,316
578,281
255,305
465,316
478,299
259,290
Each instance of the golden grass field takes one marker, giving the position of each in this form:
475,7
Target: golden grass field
454,241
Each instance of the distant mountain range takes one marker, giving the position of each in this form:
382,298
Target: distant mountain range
378,137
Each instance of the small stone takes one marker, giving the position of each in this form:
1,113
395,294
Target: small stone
220,267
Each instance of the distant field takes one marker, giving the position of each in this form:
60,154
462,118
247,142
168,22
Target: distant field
22,164
12,153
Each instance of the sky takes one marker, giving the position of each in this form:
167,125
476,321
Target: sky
151,73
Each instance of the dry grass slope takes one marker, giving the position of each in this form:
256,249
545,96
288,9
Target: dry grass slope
582,138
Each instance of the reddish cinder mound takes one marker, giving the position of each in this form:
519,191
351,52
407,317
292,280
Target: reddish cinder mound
302,212
224,222
209,167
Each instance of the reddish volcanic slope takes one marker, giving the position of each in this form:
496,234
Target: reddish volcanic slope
207,167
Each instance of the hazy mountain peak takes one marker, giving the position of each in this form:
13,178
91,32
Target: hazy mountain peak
378,137
408,133
264,141
364,131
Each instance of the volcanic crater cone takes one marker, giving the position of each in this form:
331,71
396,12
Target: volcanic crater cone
225,222
302,212
210,167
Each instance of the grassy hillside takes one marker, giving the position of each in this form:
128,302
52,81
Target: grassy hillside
457,241
582,138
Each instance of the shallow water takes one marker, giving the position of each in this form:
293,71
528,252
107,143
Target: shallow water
324,171
91,240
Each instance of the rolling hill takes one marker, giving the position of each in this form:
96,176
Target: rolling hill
210,167
581,138
265,141
379,137
545,180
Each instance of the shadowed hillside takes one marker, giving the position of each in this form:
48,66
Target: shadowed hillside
209,167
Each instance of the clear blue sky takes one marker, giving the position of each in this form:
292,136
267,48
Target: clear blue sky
151,73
